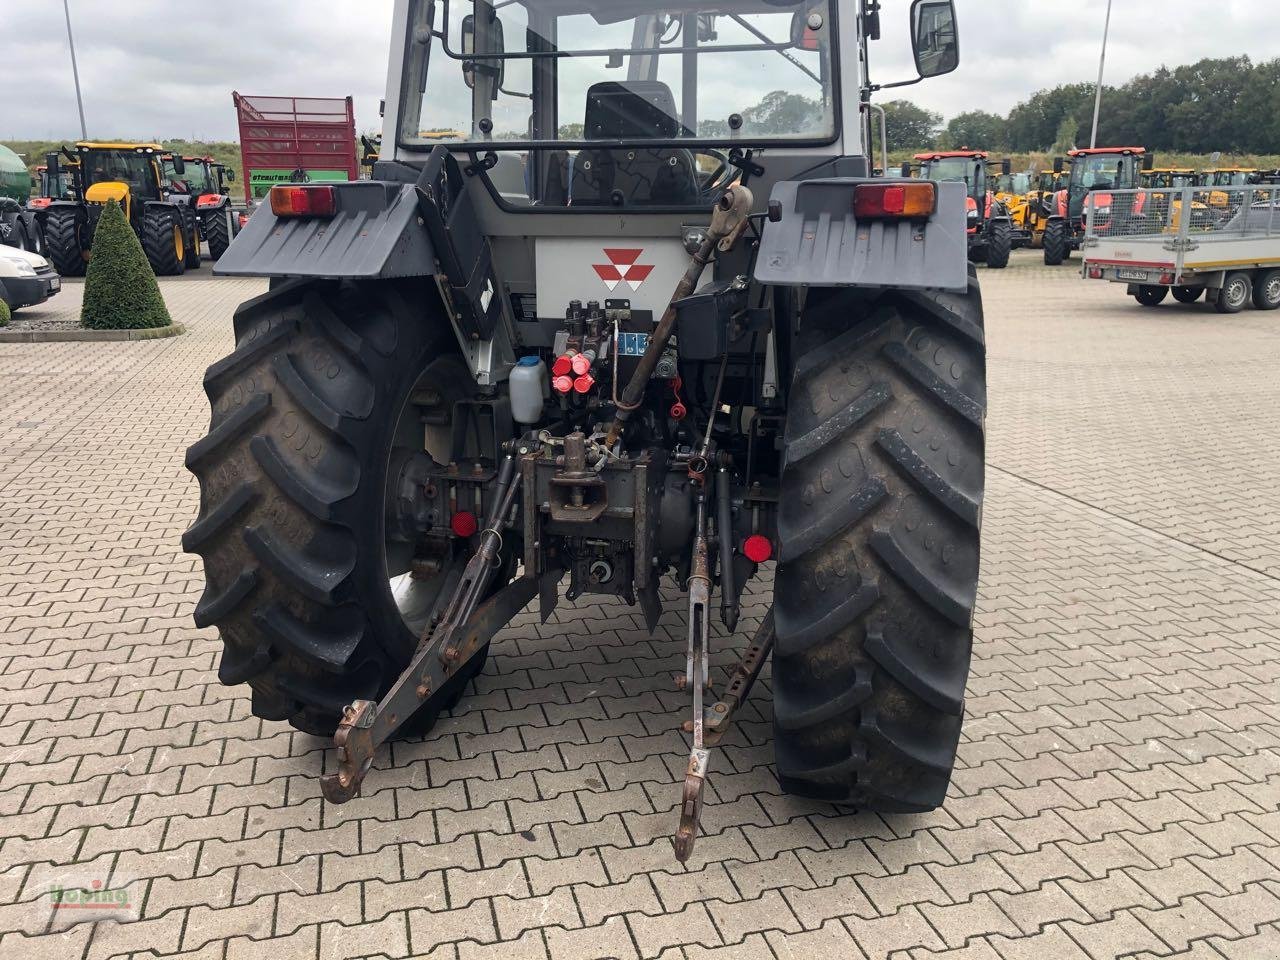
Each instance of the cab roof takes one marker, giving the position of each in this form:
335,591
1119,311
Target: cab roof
944,154
1086,151
95,145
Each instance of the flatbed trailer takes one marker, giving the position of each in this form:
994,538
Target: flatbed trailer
1178,242
291,139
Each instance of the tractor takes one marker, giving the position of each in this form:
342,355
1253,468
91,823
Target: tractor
131,174
1167,205
1040,204
648,327
202,187
1013,191
988,224
1093,172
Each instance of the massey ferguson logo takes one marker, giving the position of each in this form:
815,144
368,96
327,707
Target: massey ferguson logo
623,267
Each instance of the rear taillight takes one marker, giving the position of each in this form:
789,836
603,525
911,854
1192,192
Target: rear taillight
293,201
209,200
39,203
894,201
1095,273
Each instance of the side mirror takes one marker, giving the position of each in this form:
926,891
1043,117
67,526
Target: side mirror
906,171
934,39
1148,161
495,44
179,165
1006,167
230,174
1057,166
54,163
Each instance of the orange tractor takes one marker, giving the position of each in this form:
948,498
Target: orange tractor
1086,196
988,224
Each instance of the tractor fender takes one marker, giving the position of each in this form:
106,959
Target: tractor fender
376,233
818,242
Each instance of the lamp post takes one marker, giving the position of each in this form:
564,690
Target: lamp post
75,72
1097,96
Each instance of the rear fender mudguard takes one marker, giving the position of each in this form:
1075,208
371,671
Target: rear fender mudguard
818,243
377,233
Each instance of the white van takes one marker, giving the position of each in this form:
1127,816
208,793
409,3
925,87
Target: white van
26,278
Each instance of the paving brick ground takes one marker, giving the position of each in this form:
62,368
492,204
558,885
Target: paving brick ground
1117,786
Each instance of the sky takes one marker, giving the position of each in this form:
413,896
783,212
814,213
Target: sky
174,78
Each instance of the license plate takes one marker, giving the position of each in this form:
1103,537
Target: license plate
55,284
1140,275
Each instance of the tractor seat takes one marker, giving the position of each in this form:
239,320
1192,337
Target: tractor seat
635,176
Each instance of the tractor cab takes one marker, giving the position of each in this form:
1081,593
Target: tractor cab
129,173
1170,178
967,166
1230,177
50,187
1094,172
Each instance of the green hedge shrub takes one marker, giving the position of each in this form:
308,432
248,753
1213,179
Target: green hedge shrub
5,314
120,290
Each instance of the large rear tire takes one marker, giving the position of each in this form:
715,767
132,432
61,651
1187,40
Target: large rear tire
191,243
164,241
878,529
1057,243
309,415
999,243
217,230
62,235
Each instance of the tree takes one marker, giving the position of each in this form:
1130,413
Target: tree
1066,137
908,127
977,129
120,291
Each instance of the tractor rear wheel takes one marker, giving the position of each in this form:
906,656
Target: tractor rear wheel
1057,243
1150,295
164,241
1187,294
878,529
217,230
1266,292
191,242
62,235
999,243
1236,291
309,579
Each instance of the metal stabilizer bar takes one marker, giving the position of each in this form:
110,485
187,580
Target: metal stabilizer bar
464,628
710,727
697,676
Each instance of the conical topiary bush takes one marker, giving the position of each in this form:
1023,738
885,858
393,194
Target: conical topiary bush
120,291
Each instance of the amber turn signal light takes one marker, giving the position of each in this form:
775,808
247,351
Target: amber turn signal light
894,201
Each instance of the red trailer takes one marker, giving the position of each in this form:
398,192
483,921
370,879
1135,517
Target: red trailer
285,139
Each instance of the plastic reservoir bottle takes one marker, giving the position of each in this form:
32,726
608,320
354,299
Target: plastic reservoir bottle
529,387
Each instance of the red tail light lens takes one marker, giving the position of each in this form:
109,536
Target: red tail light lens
209,200
894,201
292,201
757,549
39,203
463,523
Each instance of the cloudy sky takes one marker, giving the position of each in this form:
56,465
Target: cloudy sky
155,68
